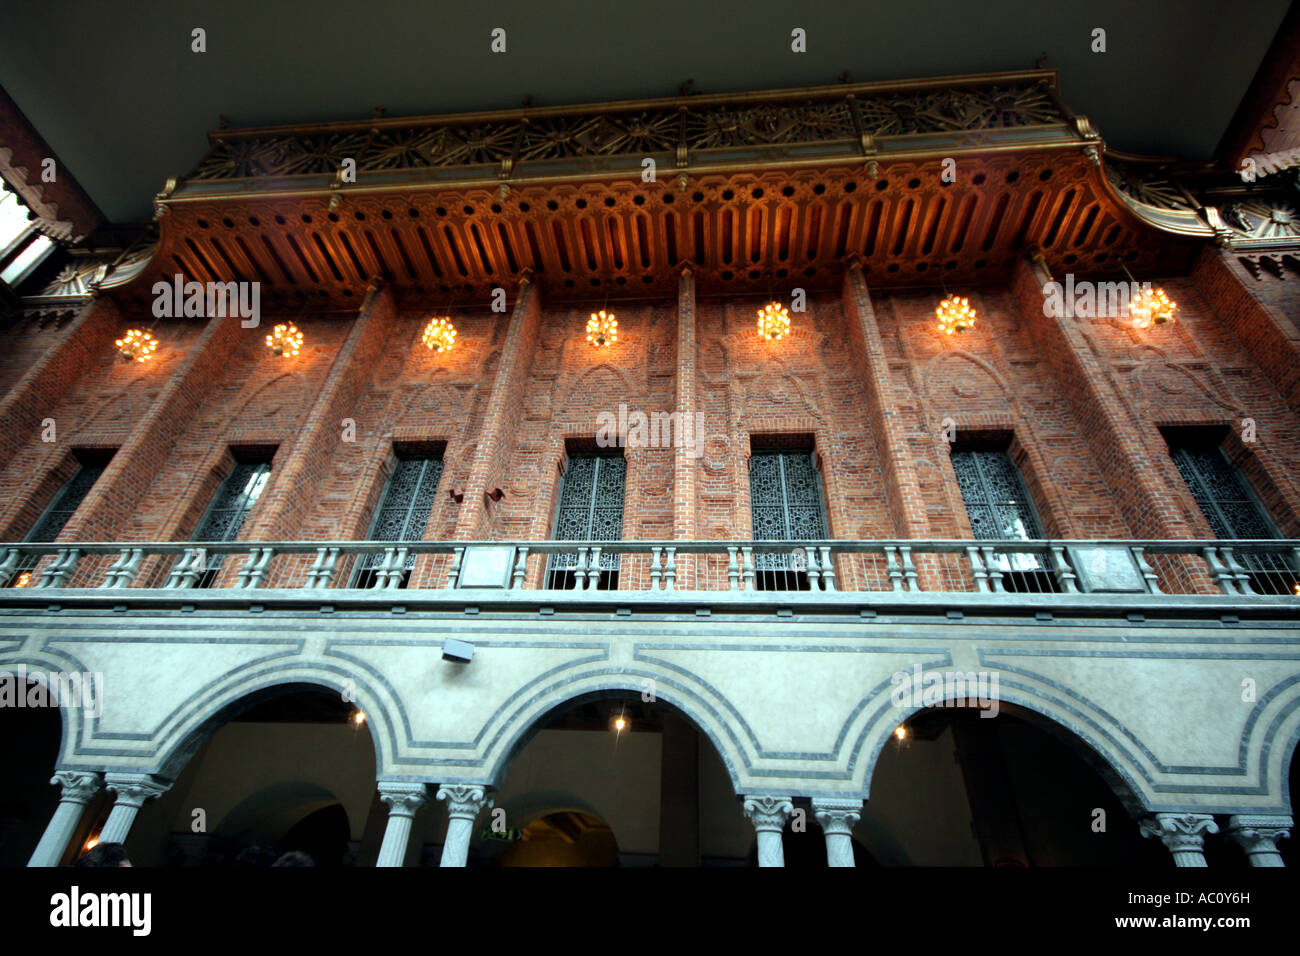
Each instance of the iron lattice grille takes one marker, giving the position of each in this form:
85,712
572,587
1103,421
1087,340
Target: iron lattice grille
1232,510
65,504
998,505
785,503
591,508
234,500
60,511
407,503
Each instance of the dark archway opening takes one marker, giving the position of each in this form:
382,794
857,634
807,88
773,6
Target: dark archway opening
1025,793
29,748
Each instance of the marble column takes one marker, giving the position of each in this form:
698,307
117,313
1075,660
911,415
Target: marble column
837,818
78,788
1182,833
769,814
463,805
1258,836
404,800
132,790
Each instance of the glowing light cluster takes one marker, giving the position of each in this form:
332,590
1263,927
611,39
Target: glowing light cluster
285,340
23,580
602,329
1149,308
440,334
773,321
955,314
137,345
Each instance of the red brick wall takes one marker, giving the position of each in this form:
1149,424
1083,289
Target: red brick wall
1083,399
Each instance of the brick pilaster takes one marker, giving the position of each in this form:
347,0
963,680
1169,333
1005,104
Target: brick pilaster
1124,453
36,395
1271,342
310,460
504,410
684,464
902,490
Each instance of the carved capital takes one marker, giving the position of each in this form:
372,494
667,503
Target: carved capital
463,800
1258,833
78,786
768,813
404,799
133,789
1179,831
837,816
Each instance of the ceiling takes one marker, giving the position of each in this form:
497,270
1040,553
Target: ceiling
125,104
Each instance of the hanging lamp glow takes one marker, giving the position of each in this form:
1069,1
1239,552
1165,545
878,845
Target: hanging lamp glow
602,329
1151,307
955,314
440,334
773,322
285,339
136,346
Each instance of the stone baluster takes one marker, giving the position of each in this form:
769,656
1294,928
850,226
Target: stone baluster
747,567
670,571
656,568
828,569
992,564
321,573
253,573
1148,573
57,574
1065,575
521,568
733,570
123,571
977,569
453,572
1224,578
891,566
909,569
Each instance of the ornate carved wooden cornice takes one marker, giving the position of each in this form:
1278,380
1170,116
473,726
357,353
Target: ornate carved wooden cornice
955,177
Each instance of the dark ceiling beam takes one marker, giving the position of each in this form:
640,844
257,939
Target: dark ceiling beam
1268,91
67,211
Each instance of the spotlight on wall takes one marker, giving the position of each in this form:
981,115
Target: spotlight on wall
459,652
900,732
359,718
619,724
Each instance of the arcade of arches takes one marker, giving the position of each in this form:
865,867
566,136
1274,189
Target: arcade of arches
605,781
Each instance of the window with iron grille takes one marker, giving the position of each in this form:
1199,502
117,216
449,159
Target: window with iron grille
60,511
591,509
785,503
403,513
1233,512
999,507
234,500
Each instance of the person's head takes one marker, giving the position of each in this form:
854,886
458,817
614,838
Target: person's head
294,858
256,856
104,854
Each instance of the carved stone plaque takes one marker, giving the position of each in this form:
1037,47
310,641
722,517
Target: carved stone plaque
487,567
1106,568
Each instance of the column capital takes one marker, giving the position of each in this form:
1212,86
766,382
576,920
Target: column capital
78,785
767,812
1258,832
133,789
1179,831
402,797
836,815
464,800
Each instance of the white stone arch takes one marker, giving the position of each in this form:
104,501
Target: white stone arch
676,691
1114,766
1274,742
199,718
